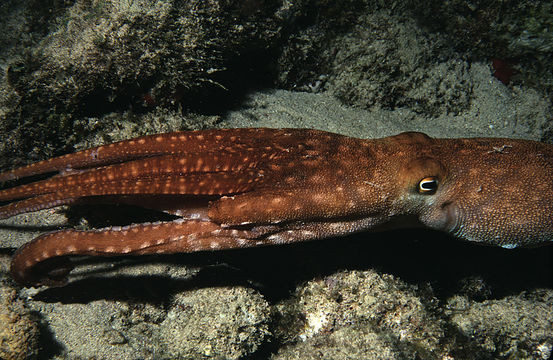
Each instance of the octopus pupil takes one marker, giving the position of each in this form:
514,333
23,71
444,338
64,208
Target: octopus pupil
428,185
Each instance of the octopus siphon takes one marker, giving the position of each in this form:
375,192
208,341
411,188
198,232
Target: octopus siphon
237,188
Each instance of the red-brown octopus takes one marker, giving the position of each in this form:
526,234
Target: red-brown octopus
238,188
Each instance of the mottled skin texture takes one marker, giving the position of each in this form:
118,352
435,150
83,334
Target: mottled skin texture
249,187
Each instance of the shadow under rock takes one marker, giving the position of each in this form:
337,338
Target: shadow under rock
419,257
100,282
30,228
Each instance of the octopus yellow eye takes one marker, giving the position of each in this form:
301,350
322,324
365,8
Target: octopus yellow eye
428,185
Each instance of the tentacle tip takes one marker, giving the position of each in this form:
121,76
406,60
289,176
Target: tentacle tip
51,272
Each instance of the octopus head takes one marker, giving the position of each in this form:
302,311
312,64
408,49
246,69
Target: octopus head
495,206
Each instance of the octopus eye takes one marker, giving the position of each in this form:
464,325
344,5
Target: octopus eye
428,185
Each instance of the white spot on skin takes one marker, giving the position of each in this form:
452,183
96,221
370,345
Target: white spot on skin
275,239
199,163
320,198
316,179
214,245
71,248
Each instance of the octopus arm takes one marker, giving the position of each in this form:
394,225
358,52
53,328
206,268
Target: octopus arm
189,184
305,203
202,164
155,167
221,173
253,140
44,261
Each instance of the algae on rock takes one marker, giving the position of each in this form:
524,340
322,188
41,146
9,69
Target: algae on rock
18,328
107,55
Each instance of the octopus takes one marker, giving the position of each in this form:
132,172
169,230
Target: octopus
238,188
